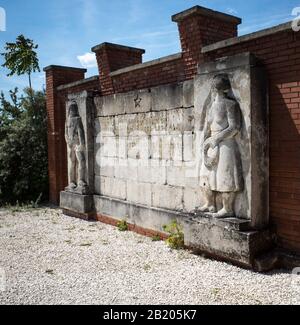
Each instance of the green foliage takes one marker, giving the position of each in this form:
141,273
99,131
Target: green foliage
21,58
156,238
176,235
122,225
23,147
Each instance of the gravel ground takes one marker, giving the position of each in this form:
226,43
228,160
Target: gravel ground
48,258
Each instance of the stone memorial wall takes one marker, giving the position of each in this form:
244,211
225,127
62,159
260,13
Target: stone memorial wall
208,137
193,151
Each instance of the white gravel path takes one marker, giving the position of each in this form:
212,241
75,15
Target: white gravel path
49,258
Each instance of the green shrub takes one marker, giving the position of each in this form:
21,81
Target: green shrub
23,148
122,225
176,235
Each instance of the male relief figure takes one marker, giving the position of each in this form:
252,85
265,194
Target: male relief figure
75,139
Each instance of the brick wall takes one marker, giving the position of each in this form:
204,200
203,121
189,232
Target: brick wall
155,75
111,57
280,54
195,29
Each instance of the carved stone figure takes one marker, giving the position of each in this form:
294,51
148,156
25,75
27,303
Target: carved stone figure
221,170
75,139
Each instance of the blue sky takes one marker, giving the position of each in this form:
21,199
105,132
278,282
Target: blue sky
66,29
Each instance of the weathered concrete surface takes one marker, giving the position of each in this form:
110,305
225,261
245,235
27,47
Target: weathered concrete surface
161,98
142,142
230,239
76,202
140,215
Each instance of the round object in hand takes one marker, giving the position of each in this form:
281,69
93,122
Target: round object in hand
211,155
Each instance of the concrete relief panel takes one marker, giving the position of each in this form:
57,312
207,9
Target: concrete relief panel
221,170
230,104
79,137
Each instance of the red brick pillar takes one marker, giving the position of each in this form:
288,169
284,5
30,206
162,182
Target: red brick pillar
57,157
112,57
199,27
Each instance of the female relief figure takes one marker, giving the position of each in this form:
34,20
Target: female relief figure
221,170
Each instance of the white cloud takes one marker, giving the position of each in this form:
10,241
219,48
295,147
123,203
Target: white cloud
88,60
254,25
232,11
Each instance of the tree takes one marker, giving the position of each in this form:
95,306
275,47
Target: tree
21,58
23,147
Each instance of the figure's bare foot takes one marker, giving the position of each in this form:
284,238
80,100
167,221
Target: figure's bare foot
71,187
82,188
81,184
207,208
223,214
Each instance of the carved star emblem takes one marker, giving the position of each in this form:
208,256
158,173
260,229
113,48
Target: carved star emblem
137,101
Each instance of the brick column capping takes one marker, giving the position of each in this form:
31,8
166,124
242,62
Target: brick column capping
112,57
198,27
57,161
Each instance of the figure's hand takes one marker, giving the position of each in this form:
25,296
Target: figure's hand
211,142
68,143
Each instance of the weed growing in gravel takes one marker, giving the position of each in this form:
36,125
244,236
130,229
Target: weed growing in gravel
122,225
147,267
216,291
23,207
176,235
71,228
51,272
86,244
156,238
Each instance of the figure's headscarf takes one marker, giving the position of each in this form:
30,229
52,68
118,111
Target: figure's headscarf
221,82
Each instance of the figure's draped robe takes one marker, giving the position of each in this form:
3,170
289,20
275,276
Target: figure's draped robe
224,175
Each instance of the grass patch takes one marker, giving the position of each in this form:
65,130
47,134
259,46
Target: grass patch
156,238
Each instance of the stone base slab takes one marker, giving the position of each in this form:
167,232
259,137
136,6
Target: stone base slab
84,216
229,239
74,202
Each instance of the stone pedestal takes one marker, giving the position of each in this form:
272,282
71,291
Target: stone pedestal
229,239
77,203
77,199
